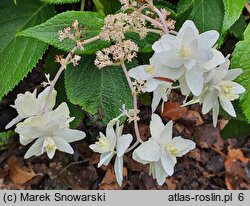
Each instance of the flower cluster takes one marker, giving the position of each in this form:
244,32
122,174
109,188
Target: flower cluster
128,4
190,58
219,89
115,26
113,143
72,32
117,53
49,128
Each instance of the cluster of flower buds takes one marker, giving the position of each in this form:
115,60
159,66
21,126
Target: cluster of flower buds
115,26
50,128
200,69
115,54
73,33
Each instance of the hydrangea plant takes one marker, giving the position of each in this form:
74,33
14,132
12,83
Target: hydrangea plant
102,74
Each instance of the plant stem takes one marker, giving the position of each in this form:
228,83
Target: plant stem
247,6
63,66
137,132
152,21
156,31
162,18
82,5
59,72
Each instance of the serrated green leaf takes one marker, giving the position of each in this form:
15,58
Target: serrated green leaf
235,129
233,9
103,91
184,5
241,60
48,31
60,1
207,15
18,55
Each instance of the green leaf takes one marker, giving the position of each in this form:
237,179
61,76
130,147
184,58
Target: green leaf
184,5
52,67
60,1
166,5
106,7
239,27
18,55
97,91
145,44
206,14
241,60
235,129
233,9
4,137
48,31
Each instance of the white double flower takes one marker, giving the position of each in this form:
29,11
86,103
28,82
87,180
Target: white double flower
113,143
160,151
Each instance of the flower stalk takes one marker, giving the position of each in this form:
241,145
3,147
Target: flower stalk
134,94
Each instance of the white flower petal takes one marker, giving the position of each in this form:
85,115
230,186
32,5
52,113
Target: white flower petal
25,140
139,73
166,134
233,74
237,88
13,122
209,101
216,109
63,145
183,85
105,158
166,42
51,153
169,59
218,58
156,126
167,162
194,81
182,145
188,24
203,56
150,85
189,35
110,135
138,159
189,64
70,135
227,105
36,149
208,39
118,167
148,151
158,172
61,113
156,100
28,106
123,143
43,96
